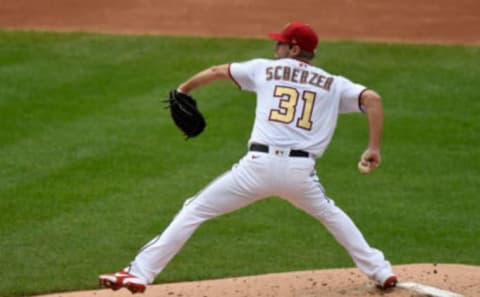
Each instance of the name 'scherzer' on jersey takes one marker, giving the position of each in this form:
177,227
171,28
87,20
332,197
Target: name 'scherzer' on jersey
300,76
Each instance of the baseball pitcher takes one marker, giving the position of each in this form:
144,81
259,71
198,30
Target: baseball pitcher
297,105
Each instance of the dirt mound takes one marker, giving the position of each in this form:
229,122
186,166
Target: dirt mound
459,279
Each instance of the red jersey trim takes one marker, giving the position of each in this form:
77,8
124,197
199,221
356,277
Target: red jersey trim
232,78
360,106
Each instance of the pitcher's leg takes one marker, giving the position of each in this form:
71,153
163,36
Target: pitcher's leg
314,202
369,260
220,197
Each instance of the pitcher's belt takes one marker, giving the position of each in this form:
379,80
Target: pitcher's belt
257,147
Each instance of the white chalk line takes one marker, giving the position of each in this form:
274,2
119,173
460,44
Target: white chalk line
427,290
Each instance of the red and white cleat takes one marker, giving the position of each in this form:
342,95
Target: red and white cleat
122,279
390,282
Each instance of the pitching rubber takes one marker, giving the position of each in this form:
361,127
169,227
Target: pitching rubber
427,290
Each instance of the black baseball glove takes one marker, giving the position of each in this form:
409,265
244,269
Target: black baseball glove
185,113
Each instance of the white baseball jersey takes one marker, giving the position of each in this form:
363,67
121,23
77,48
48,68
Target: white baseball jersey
297,103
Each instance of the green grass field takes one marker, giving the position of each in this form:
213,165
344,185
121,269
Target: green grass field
91,166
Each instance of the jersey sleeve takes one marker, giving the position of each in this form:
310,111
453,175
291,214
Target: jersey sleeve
350,96
244,73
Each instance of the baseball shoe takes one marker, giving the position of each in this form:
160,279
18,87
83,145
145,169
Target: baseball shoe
389,282
122,279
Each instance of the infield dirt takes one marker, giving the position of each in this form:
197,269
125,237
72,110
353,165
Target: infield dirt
413,21
426,21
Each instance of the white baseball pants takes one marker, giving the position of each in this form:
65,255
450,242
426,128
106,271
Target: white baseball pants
256,176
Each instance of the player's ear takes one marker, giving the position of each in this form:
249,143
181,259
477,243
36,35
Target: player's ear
294,50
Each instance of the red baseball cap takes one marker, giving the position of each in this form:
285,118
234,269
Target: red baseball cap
299,34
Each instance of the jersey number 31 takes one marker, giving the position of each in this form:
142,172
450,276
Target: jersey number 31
288,106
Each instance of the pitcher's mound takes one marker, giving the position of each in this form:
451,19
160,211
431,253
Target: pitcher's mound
459,279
